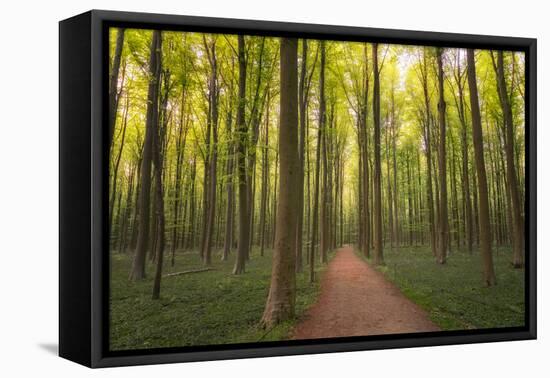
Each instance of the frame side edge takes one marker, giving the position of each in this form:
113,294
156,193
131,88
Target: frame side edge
74,189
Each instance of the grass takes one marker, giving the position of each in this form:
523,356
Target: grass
453,293
212,307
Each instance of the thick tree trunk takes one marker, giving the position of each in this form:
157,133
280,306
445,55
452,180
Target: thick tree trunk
138,265
157,162
484,224
282,292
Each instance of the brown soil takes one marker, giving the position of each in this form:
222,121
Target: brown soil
357,300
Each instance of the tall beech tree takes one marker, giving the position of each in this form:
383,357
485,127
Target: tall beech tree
443,219
151,126
243,246
212,151
157,163
316,188
489,278
282,293
378,232
114,95
516,218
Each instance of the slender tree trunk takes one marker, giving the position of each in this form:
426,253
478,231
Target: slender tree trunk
302,99
265,182
191,240
244,222
180,147
229,213
477,133
213,94
315,214
113,84
443,222
117,164
428,142
517,226
378,242
322,125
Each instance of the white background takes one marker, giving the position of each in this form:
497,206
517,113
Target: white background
29,186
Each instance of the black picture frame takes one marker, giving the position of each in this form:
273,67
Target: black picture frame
83,194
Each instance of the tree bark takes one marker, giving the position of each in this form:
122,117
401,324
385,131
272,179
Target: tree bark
484,224
138,265
443,223
157,162
113,84
517,222
244,222
302,99
378,242
323,126
213,95
282,293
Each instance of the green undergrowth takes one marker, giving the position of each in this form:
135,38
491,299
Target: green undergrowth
453,293
204,308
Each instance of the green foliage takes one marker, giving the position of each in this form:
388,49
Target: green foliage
453,293
212,307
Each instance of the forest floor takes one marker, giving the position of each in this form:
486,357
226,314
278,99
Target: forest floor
409,293
453,294
357,300
203,308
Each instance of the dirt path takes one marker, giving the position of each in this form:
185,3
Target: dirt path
357,300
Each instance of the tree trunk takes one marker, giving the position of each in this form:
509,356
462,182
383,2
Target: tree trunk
282,292
244,222
517,226
113,84
138,265
484,224
302,99
117,163
229,213
157,162
322,125
443,223
428,142
378,242
213,95
265,181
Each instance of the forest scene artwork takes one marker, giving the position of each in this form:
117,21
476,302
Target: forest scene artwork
268,188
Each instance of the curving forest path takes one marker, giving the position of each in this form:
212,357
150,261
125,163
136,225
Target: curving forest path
357,300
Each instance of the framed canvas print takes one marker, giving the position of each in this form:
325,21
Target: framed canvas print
233,188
